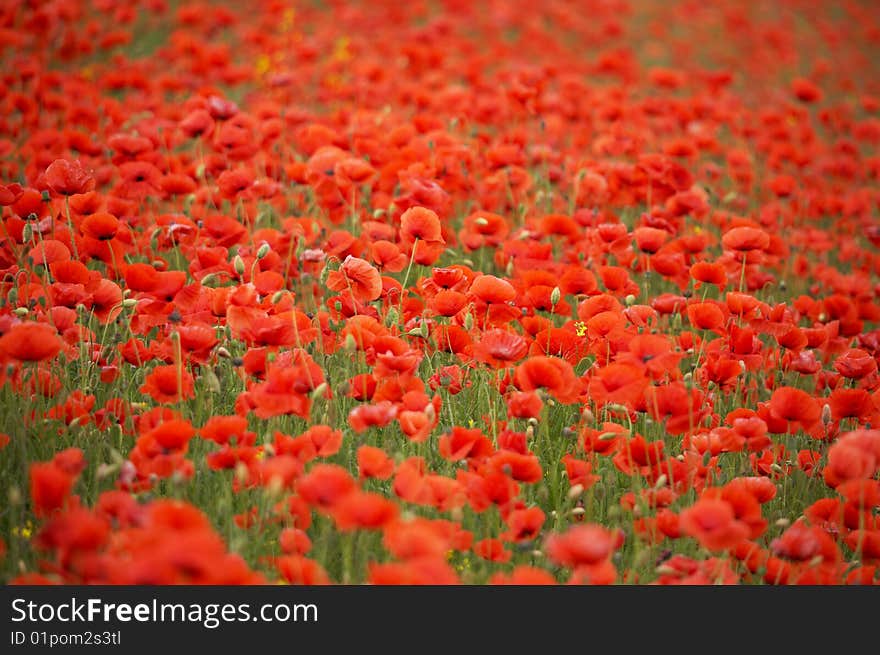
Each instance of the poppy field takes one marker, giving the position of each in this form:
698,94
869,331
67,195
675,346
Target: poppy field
440,292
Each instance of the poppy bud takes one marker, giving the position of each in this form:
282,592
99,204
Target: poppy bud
209,279
469,321
238,265
319,391
350,343
661,481
392,317
278,295
578,511
106,470
20,311
45,196
14,495
223,352
26,233
275,486
555,296
630,300
211,380
263,251
826,414
575,491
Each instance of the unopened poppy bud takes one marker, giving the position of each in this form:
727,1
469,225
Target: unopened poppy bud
223,352
105,470
776,468
469,321
826,414
20,311
630,300
578,511
482,222
278,295
575,491
782,523
211,380
350,343
378,212
661,481
607,436
45,196
319,391
238,265
532,421
530,432
263,251
14,495
337,305
642,558
26,233
275,486
209,279
555,296
508,270
128,303
392,317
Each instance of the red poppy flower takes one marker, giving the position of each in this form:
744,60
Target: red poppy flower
30,342
67,178
855,364
524,524
490,289
555,375
713,523
169,384
583,545
500,348
374,463
101,226
357,278
745,239
794,407
420,223
465,444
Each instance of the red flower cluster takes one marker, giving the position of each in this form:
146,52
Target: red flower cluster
436,293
